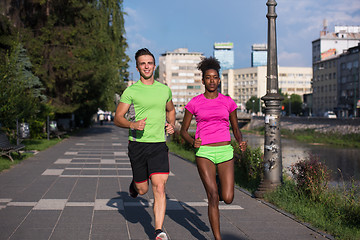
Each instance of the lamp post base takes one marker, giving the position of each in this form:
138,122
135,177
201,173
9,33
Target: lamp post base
265,187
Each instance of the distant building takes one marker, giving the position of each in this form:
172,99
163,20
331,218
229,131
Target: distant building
224,52
178,70
242,84
348,83
326,51
330,44
324,85
258,55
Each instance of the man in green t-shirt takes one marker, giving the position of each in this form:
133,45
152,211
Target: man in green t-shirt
151,113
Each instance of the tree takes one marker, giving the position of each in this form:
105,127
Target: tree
21,91
295,104
253,104
77,49
156,74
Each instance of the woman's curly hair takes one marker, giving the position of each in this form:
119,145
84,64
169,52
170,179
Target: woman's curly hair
209,63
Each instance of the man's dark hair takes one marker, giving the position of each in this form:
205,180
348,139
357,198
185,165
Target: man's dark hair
209,63
141,52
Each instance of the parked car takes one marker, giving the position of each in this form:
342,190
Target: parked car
330,114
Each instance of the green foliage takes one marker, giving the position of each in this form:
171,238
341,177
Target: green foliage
39,144
337,212
335,139
77,49
21,91
253,104
176,138
311,176
249,166
295,104
30,145
178,149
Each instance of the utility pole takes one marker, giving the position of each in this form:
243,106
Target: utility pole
272,147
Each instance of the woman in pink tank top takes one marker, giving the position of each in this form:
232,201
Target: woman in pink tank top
212,111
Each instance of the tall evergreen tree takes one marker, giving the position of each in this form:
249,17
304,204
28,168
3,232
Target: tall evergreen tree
21,90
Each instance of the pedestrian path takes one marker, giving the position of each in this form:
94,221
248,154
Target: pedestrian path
78,189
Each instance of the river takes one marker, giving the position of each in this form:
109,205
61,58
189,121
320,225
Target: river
344,163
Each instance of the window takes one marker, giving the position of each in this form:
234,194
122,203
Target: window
349,65
356,64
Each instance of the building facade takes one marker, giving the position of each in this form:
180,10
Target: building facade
258,55
325,56
348,83
224,52
324,85
242,84
178,70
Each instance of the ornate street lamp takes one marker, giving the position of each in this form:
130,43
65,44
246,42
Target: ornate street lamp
272,147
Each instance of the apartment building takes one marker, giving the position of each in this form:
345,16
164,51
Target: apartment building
178,70
324,85
349,83
326,51
241,84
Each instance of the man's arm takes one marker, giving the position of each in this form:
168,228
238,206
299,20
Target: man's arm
170,117
121,121
170,113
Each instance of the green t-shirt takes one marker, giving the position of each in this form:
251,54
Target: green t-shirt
147,101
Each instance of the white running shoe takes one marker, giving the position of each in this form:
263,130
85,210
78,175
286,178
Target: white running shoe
161,236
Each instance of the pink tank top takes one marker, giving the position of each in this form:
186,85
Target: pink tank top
212,117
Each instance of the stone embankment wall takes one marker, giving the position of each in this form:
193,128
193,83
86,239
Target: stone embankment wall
324,125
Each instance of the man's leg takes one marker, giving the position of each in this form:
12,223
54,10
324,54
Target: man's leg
137,155
158,182
142,187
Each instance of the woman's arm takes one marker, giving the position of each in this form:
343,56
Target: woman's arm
184,130
236,130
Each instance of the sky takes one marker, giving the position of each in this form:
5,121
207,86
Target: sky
165,25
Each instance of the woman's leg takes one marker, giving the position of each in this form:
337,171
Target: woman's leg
226,176
207,172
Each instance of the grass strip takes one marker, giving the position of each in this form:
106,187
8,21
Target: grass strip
31,146
314,137
331,214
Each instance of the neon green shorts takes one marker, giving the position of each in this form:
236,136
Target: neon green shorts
216,154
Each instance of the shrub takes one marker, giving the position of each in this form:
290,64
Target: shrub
176,137
311,176
350,211
249,166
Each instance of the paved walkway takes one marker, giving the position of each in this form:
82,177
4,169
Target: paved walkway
78,189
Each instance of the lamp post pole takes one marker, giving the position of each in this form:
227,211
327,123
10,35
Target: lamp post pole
272,147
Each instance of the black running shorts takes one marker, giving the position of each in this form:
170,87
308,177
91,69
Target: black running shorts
147,159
